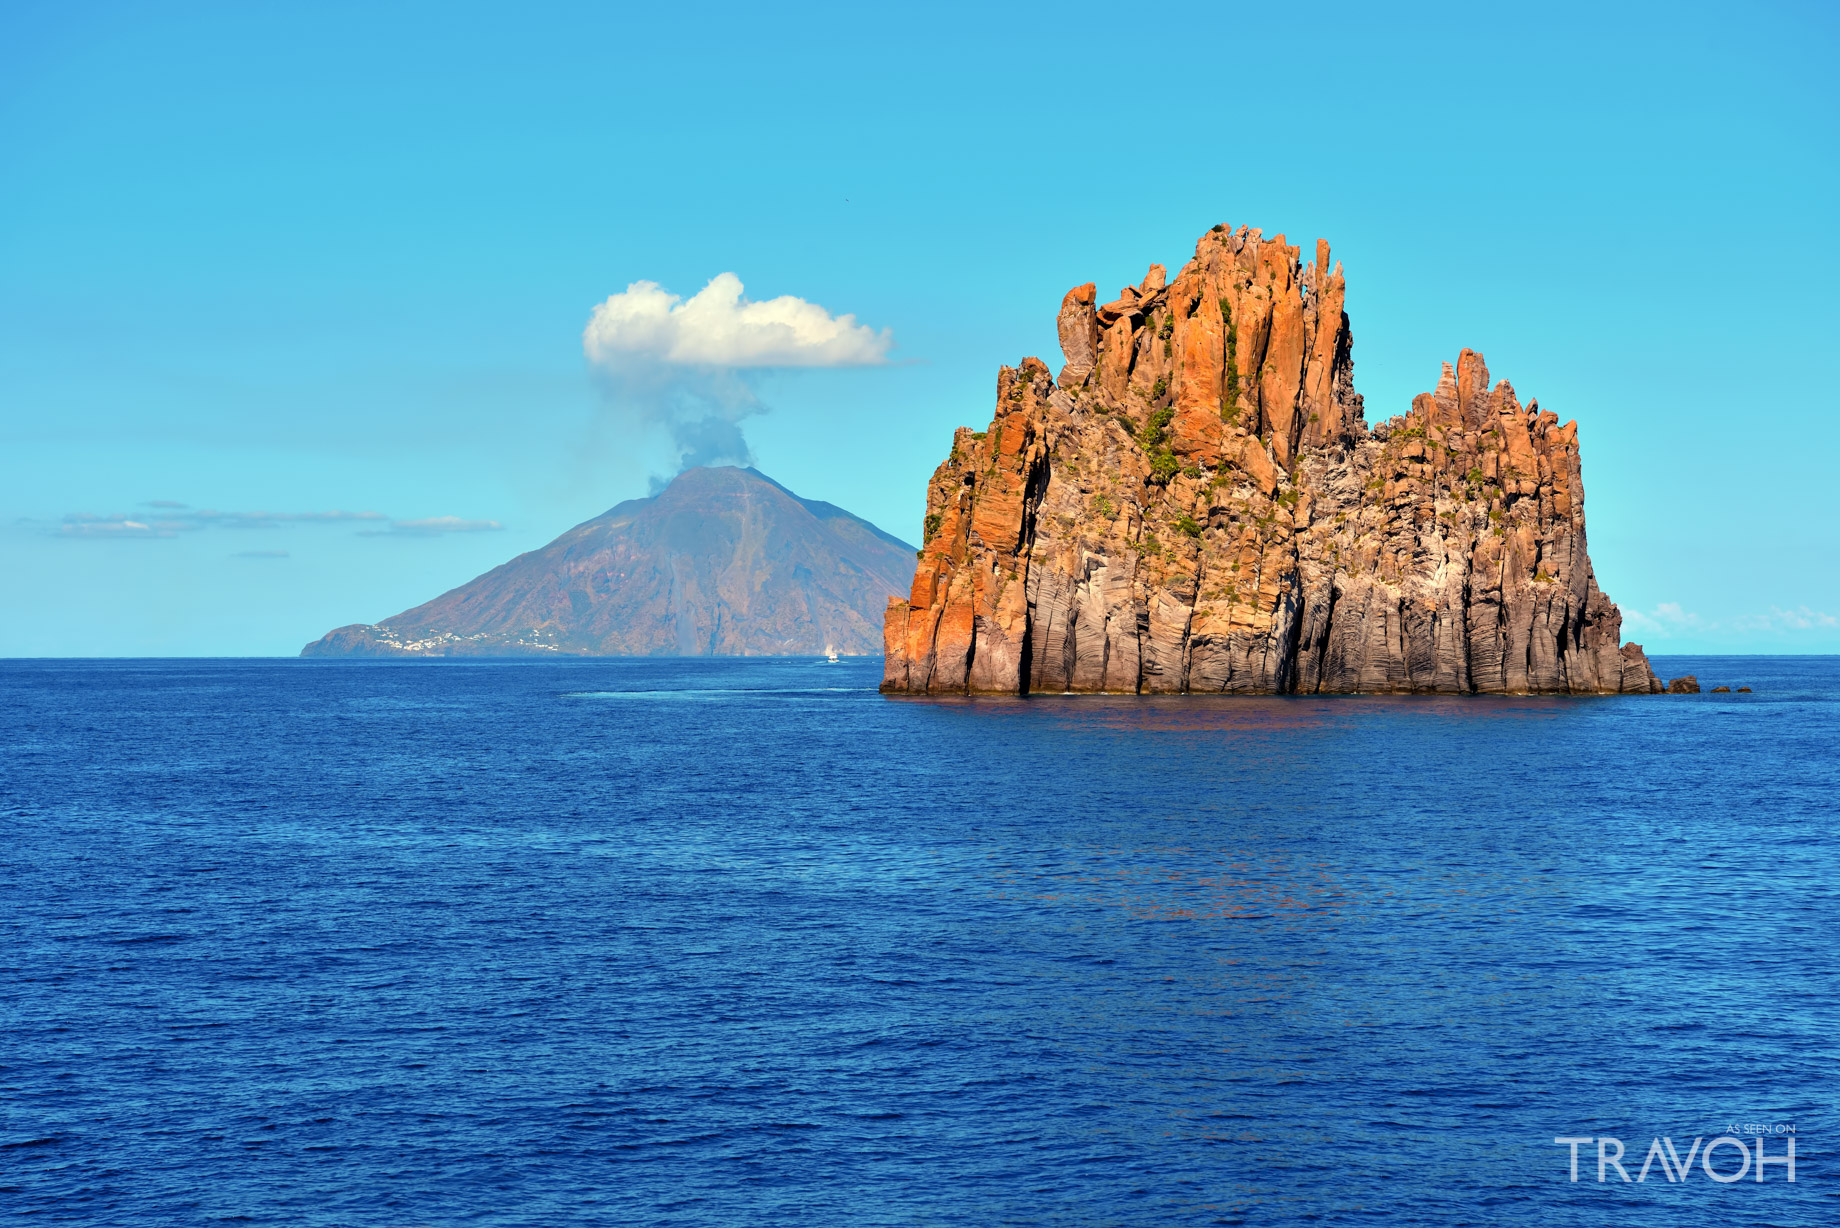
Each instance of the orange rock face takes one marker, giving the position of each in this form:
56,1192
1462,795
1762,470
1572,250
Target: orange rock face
1197,504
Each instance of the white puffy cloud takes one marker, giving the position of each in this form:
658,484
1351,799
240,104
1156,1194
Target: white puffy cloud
717,327
691,368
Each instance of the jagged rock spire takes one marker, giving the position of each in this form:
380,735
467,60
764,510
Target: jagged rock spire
1197,504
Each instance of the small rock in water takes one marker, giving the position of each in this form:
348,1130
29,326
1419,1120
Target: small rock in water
1686,684
1744,690
1724,689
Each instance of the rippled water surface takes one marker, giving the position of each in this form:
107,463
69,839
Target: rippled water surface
743,943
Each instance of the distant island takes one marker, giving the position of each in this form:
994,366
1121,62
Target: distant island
723,561
1197,504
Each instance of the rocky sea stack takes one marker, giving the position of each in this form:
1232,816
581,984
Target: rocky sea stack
1197,505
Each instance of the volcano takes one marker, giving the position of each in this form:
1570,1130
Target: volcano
722,562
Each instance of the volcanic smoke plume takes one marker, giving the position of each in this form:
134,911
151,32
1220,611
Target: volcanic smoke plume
690,366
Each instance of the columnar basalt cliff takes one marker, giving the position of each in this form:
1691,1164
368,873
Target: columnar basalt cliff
1197,504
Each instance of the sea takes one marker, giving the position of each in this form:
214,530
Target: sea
740,942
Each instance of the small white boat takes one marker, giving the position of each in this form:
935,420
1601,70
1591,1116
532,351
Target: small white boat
830,654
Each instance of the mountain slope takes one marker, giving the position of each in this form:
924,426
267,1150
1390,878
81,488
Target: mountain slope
721,562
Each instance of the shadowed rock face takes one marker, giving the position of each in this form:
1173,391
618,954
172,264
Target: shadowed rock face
1198,505
722,562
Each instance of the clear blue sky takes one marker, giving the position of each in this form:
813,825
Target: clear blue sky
310,258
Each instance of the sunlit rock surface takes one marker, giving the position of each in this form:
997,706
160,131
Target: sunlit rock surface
1197,504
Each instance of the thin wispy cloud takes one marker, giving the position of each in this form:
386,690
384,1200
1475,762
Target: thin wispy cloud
167,521
1665,619
170,519
1670,619
78,525
433,526
691,366
1799,619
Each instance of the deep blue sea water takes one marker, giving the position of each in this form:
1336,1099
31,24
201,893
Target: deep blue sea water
740,942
